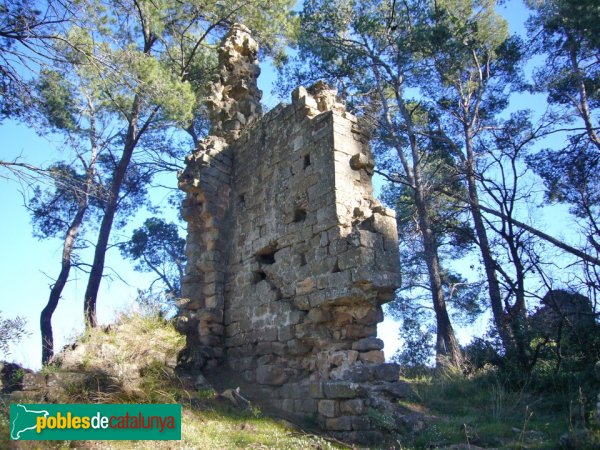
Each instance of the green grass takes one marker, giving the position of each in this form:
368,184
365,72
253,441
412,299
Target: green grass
481,411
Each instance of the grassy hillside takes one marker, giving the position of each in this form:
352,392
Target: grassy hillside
482,412
132,362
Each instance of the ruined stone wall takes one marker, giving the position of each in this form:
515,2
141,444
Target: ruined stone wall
290,256
311,255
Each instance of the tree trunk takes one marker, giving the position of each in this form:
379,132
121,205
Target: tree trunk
501,319
68,246
112,205
447,349
57,288
95,277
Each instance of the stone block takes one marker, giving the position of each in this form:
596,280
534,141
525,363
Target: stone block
338,246
356,331
353,407
305,286
306,406
374,357
285,333
342,423
264,348
328,408
354,257
343,357
395,390
271,375
268,334
293,390
342,389
35,397
361,423
368,438
361,161
387,372
361,373
369,343
288,405
297,347
302,302
316,299
315,389
264,360
279,348
318,315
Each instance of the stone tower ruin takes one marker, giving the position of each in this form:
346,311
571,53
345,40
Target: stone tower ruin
290,257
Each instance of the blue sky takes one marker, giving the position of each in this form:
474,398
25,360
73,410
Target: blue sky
28,266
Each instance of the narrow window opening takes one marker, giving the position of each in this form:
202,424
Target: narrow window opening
302,259
336,268
299,214
266,255
259,276
268,258
306,160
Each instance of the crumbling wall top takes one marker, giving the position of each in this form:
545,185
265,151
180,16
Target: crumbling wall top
318,98
234,102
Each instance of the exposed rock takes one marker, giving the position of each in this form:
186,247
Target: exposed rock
33,381
387,372
201,383
579,439
395,390
342,389
235,397
235,100
11,377
366,344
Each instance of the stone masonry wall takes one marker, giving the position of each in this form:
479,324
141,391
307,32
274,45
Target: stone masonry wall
290,256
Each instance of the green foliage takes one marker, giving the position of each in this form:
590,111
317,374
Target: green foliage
463,32
128,76
11,332
156,247
566,338
567,32
382,421
22,25
52,210
57,102
16,378
572,177
418,339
